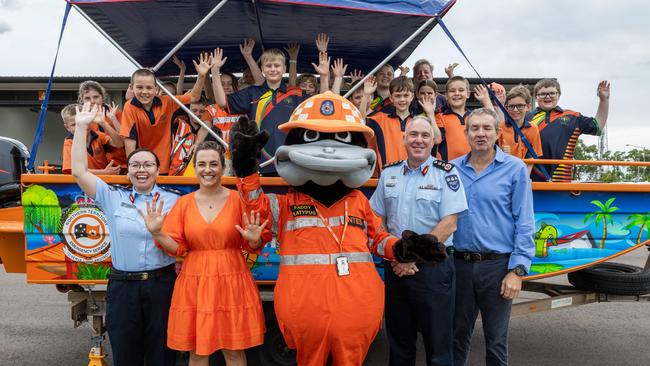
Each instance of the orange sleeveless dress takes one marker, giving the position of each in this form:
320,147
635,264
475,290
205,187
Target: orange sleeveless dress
216,304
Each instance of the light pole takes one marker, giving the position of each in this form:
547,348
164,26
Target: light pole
643,149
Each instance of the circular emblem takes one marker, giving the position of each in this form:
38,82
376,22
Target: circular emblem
86,235
327,108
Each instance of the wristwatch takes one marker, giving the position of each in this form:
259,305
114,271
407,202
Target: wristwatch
520,270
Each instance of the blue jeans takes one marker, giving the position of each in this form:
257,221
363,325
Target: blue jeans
478,287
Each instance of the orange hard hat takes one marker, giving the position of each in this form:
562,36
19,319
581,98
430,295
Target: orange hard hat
328,112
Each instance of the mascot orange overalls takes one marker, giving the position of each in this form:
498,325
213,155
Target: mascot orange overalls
329,298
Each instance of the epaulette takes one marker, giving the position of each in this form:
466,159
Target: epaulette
441,164
398,162
115,187
170,190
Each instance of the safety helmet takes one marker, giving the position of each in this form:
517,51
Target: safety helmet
328,112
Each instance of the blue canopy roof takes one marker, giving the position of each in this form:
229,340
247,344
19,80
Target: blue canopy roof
362,32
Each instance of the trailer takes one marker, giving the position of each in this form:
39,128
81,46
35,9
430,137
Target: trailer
580,226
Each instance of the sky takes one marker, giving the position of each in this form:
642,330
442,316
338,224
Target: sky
579,42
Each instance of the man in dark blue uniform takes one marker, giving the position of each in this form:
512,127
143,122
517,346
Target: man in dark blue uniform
423,195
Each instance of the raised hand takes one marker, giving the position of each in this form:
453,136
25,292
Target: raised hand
293,49
252,230
482,95
217,60
603,90
111,169
245,143
180,63
370,85
449,70
356,75
339,68
247,47
428,104
154,218
204,65
129,93
404,70
86,114
323,67
322,40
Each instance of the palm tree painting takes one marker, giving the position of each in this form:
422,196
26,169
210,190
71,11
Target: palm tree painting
604,215
642,220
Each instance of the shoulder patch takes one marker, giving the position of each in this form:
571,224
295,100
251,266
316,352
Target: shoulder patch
170,190
121,187
441,164
398,162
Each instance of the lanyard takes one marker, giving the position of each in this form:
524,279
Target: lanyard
329,228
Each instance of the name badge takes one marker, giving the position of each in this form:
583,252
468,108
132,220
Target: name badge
127,205
391,182
342,266
430,187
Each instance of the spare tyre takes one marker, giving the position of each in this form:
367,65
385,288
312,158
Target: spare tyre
612,278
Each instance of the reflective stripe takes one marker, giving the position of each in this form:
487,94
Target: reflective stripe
382,246
253,195
308,259
275,213
303,222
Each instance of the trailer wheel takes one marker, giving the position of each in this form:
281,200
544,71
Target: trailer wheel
612,278
274,351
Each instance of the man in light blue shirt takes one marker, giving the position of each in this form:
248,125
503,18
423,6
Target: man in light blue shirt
494,243
423,195
142,279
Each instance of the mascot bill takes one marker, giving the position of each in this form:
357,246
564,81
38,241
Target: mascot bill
329,298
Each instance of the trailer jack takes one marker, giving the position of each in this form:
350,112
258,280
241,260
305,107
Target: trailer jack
96,357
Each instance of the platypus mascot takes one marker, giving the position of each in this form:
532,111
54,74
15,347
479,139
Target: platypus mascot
329,298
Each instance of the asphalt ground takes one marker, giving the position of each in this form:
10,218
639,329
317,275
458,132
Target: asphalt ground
35,329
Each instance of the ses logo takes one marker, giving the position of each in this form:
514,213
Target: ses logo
86,235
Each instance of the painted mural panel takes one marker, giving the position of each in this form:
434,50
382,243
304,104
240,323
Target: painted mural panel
68,241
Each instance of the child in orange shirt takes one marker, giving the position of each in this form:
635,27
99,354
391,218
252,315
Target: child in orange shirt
98,146
518,103
147,118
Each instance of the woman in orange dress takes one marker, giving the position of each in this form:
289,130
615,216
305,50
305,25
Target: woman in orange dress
215,305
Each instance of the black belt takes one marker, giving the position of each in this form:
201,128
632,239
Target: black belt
117,275
477,257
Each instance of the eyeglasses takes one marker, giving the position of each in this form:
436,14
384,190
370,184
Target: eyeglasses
147,166
516,107
547,95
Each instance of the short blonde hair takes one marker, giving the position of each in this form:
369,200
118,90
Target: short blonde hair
272,54
69,111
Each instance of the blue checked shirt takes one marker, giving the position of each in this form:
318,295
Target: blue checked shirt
500,217
132,246
417,199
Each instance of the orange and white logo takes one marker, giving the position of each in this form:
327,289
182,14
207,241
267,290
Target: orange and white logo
86,235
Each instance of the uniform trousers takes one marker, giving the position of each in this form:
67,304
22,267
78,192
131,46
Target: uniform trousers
421,303
136,320
478,287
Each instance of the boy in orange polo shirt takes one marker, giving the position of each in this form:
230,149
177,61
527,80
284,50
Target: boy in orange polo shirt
147,118
518,103
451,120
389,122
98,146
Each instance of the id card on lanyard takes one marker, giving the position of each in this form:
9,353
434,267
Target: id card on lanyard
342,265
